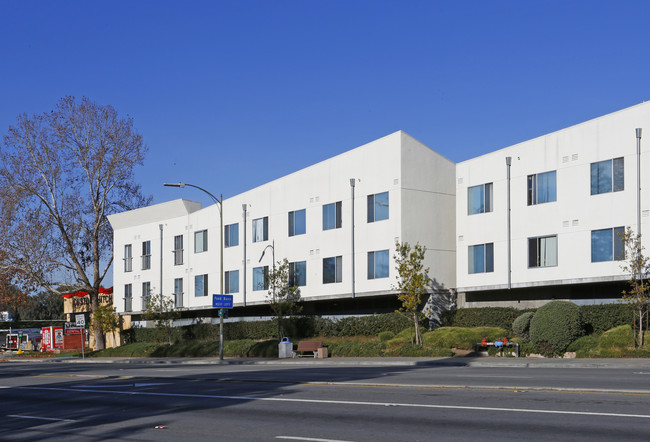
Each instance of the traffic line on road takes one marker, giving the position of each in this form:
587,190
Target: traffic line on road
40,418
311,439
336,402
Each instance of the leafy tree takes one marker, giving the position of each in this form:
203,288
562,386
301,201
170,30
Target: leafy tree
638,266
160,309
43,306
283,297
61,173
105,320
413,282
12,299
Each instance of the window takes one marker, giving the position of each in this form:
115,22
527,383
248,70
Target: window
231,235
128,297
178,292
297,223
607,244
607,176
201,285
178,250
481,258
298,273
542,188
128,258
232,281
146,294
332,216
332,269
261,229
377,207
542,251
200,241
146,255
378,264
479,199
260,280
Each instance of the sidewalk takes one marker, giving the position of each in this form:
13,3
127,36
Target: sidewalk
484,361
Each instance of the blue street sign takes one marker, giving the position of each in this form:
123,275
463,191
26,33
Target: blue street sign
222,301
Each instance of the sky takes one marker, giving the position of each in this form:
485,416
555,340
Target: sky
231,95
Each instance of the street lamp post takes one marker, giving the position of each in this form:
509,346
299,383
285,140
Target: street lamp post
219,202
272,246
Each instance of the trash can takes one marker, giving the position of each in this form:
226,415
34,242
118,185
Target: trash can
285,349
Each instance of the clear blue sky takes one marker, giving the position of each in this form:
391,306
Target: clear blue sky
230,95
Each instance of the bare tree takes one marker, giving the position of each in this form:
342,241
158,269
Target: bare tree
61,173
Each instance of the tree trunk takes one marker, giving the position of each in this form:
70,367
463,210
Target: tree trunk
418,339
98,335
641,327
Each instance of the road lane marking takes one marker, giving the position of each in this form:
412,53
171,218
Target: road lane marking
334,402
40,418
122,385
312,439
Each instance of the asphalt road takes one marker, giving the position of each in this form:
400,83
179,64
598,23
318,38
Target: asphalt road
333,402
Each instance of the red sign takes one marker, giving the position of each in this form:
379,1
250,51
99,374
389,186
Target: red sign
12,342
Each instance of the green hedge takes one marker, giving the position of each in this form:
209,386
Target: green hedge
521,326
295,328
600,318
482,317
461,337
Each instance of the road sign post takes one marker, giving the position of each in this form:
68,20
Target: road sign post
221,302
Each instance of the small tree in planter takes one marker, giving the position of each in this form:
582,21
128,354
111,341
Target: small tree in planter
412,283
638,266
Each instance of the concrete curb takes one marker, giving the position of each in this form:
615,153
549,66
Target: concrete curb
486,362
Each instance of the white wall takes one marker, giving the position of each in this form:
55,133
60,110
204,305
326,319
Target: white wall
572,217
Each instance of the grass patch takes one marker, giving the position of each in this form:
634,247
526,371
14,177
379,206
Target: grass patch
585,346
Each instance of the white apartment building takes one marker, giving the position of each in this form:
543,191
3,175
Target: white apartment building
570,194
336,222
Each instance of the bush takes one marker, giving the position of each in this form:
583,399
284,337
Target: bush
521,326
599,318
482,317
361,347
585,347
556,325
461,337
617,339
386,336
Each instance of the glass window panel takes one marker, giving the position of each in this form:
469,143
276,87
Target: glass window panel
332,216
601,245
371,265
619,174
601,177
260,280
201,285
381,206
231,235
261,229
475,200
200,241
533,252
297,222
381,264
339,268
298,273
546,187
232,281
489,257
371,208
619,245
329,270
548,251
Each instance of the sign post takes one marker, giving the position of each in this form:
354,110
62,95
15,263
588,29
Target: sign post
221,302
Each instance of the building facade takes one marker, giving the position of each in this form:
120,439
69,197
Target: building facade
520,226
572,192
336,222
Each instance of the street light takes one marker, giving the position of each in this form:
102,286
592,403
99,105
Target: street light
272,246
219,202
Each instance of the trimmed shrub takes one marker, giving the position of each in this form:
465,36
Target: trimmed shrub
386,336
617,339
599,318
521,326
461,337
556,325
585,346
482,317
355,347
